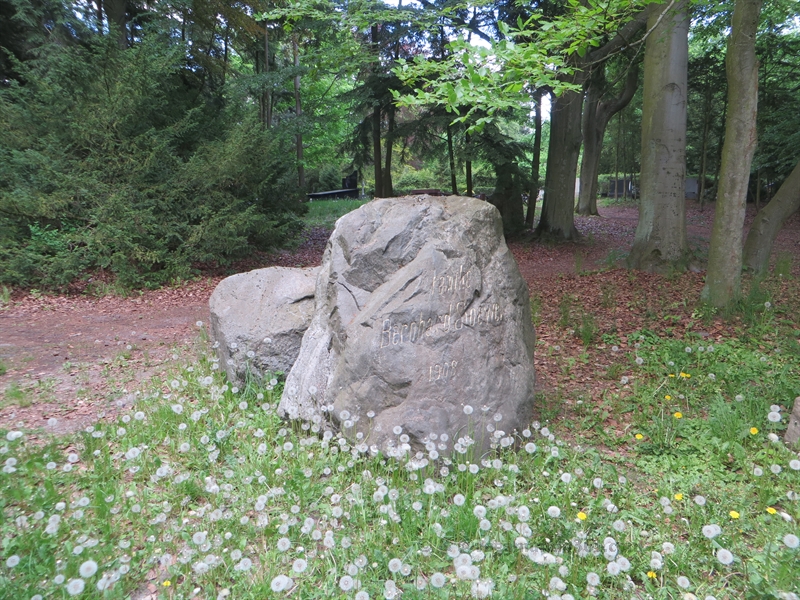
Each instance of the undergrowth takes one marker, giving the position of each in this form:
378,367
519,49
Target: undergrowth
203,491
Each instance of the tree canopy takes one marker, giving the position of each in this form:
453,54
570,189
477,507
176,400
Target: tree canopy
150,139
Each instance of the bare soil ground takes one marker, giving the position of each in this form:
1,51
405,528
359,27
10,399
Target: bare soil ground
75,358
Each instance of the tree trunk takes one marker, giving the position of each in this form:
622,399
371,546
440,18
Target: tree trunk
99,15
376,149
616,154
117,22
225,55
724,275
758,190
376,120
596,116
468,167
720,142
768,222
298,137
558,208
701,188
533,194
388,186
451,156
507,197
267,91
562,166
660,241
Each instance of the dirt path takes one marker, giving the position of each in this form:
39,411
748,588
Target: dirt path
71,359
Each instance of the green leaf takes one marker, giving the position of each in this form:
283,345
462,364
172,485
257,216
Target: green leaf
451,93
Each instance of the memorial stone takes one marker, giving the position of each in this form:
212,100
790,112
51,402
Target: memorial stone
422,333
792,435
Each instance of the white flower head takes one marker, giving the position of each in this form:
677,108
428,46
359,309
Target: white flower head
88,568
711,531
438,580
724,556
75,587
280,583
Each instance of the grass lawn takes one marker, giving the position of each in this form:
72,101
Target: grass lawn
202,491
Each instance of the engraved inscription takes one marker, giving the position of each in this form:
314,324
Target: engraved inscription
393,333
449,285
444,371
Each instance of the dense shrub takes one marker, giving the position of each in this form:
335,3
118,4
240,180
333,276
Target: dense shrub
121,160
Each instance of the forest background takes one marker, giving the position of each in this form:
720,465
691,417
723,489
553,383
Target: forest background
148,140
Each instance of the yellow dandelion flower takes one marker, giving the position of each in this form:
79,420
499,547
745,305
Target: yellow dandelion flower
652,574
639,436
753,430
734,514
667,397
671,375
771,510
167,583
582,516
678,496
678,415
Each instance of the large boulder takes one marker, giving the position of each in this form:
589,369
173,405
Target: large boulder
422,326
792,435
258,319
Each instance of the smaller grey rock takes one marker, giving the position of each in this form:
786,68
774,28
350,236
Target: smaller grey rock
258,319
792,435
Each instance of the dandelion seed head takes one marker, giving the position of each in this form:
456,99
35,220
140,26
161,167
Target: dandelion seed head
280,583
75,586
724,556
711,531
88,568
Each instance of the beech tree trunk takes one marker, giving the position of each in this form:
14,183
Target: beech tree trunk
660,240
769,221
596,115
562,166
724,275
558,207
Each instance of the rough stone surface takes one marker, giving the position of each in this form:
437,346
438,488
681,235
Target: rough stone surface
422,322
792,435
264,312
